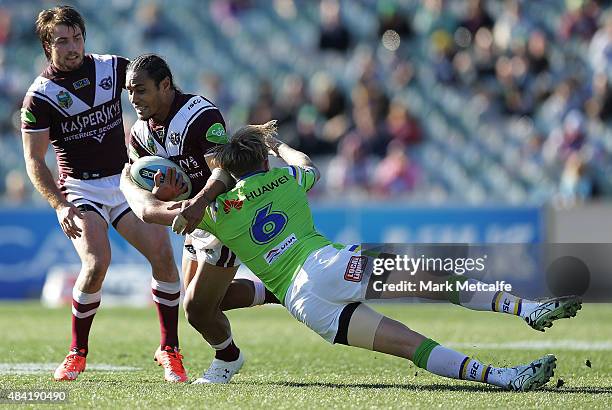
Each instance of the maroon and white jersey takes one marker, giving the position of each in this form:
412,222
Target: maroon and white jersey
81,109
193,126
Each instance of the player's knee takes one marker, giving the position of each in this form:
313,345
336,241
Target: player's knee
93,273
199,315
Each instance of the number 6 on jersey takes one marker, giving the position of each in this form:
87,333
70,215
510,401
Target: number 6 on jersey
267,224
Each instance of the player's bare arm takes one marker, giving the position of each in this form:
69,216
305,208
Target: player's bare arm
290,155
35,146
144,204
193,210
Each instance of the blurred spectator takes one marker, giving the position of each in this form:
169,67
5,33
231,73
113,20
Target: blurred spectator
261,109
599,106
401,126
395,174
512,26
476,17
16,191
580,20
212,88
600,49
333,34
565,97
537,53
434,16
512,77
576,184
308,138
390,18
5,25
367,130
327,98
152,22
349,171
566,139
443,52
483,54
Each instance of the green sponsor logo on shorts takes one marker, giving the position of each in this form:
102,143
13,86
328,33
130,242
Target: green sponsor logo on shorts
27,116
216,134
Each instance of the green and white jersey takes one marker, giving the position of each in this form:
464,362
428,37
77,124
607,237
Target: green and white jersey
267,222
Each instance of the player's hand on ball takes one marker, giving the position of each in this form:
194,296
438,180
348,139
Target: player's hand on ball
65,215
169,186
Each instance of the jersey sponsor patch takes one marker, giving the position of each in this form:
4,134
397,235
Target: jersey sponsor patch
274,253
83,82
355,268
228,204
27,116
216,134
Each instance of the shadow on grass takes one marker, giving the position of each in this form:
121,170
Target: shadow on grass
433,387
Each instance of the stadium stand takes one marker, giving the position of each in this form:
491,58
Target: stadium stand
429,101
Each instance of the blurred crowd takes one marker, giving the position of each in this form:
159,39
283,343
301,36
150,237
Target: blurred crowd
466,101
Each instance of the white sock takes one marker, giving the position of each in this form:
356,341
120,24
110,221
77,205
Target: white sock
495,301
450,363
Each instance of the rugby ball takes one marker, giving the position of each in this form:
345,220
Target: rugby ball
143,170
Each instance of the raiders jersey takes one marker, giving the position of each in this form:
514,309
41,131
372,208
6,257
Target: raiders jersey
81,109
193,126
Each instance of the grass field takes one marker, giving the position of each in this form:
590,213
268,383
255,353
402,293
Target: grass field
288,366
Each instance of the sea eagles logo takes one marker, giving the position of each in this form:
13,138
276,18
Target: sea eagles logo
64,99
228,204
106,83
175,138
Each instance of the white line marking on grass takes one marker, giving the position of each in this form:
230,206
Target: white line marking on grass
564,344
29,368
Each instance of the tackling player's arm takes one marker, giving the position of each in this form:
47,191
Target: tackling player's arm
219,181
291,156
193,210
35,144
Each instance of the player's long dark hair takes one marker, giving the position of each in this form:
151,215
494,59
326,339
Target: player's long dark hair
155,66
48,19
246,150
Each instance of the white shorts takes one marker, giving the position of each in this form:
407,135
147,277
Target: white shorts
329,280
101,195
205,247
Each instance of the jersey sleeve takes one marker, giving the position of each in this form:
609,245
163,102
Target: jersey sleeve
35,114
306,177
135,148
122,64
208,129
210,218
